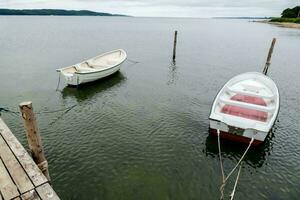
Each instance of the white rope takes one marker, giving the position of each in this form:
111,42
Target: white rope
236,182
225,178
58,82
251,141
220,156
221,165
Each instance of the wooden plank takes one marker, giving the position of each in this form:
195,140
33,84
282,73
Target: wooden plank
46,192
34,173
15,170
31,195
7,187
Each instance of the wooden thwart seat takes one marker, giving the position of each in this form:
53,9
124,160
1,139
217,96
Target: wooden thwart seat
247,107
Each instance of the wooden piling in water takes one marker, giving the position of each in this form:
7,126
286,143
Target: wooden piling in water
268,62
174,46
33,137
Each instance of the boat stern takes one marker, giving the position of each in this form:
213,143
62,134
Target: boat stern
236,134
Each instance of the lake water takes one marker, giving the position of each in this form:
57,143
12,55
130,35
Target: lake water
143,132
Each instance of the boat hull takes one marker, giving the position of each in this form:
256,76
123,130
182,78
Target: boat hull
237,134
81,78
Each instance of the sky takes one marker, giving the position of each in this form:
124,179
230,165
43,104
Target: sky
164,8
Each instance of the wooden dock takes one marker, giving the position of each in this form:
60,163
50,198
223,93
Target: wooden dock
20,177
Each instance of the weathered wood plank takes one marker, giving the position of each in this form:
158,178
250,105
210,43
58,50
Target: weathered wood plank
46,192
24,158
7,187
31,195
14,168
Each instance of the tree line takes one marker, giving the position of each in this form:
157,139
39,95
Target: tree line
291,12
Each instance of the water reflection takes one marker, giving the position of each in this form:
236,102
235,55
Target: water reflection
88,90
172,73
231,150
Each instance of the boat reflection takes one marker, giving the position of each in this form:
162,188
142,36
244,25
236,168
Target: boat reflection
255,157
88,90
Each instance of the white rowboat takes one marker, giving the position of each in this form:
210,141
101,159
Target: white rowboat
247,106
95,68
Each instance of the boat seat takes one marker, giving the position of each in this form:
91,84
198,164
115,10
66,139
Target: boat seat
245,112
83,69
97,65
112,61
247,105
249,93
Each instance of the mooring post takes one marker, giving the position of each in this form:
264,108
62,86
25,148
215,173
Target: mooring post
34,137
268,62
174,46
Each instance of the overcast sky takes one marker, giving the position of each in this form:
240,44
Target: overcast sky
164,8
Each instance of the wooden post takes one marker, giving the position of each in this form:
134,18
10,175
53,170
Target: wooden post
34,138
268,62
174,47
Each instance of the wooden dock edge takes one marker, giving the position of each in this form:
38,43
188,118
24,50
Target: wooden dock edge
20,177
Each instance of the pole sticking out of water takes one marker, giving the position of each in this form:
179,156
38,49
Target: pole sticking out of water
174,46
268,62
34,137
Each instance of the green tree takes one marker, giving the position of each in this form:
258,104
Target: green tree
291,12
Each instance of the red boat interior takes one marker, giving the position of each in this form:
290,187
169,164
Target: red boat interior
245,112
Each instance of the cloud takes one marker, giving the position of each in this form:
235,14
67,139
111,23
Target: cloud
166,8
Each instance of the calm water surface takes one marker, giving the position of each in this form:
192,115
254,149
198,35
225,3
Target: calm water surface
143,132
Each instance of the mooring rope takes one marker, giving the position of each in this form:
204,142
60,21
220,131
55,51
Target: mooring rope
241,159
59,110
58,82
132,61
224,177
2,109
221,165
65,112
235,184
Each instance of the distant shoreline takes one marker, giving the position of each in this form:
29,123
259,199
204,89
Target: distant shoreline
55,12
281,24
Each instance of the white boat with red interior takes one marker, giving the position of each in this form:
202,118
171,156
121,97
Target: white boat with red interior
246,107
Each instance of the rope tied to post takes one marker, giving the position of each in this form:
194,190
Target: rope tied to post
6,110
224,177
132,61
24,116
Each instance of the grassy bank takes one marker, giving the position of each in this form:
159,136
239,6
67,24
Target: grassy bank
287,20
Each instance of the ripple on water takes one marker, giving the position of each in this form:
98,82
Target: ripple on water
143,132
